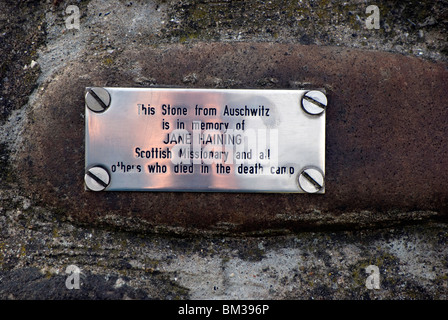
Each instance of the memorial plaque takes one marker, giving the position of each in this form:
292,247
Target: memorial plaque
226,140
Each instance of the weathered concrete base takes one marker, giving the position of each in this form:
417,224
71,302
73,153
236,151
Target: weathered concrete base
36,247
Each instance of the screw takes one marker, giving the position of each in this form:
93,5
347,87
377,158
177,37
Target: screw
97,179
97,99
311,180
314,102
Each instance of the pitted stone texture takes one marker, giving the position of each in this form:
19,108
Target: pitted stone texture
386,158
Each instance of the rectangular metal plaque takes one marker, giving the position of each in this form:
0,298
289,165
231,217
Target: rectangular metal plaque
230,140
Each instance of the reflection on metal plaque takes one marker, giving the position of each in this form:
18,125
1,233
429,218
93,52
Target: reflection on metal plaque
205,140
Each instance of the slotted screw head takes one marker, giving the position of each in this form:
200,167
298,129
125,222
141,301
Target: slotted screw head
97,99
314,102
97,179
311,180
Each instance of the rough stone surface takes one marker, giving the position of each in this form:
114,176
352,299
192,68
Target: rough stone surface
385,152
37,247
376,156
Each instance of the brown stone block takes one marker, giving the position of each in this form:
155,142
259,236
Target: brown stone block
386,147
